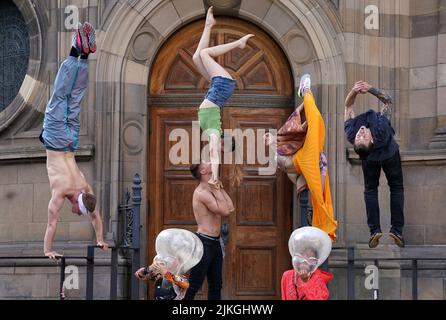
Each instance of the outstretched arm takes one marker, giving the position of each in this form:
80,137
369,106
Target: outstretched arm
349,102
54,207
96,221
386,111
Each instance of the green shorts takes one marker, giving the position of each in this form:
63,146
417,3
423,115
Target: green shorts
210,120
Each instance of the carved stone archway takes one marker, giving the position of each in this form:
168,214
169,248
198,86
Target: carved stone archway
308,31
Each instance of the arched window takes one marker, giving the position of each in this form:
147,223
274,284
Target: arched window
14,52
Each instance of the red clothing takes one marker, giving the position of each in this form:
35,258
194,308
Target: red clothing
313,289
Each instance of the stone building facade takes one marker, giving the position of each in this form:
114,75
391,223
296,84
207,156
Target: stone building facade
328,39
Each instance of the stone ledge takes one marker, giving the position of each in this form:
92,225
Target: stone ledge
409,158
38,154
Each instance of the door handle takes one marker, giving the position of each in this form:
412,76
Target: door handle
225,233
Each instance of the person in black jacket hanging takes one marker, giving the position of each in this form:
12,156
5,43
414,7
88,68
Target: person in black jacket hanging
372,136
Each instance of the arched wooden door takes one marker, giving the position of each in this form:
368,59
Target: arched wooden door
257,248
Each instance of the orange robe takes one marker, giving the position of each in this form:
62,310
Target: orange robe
306,162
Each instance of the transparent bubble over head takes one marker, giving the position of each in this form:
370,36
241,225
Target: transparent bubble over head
178,249
309,248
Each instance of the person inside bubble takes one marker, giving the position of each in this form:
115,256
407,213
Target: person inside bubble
178,251
305,281
168,286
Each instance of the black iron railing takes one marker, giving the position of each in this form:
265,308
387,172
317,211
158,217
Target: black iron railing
352,267
305,220
90,270
62,261
130,211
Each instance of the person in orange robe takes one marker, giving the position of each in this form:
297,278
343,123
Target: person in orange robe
307,162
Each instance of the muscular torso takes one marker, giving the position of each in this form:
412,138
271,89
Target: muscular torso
209,223
64,174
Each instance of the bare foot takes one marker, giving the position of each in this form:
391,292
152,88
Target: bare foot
244,40
210,20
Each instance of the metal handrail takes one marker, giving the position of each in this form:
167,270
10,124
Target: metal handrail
62,267
90,269
350,260
39,257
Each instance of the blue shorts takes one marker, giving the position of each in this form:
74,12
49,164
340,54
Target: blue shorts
220,90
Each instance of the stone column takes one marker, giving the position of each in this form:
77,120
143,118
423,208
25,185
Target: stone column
439,139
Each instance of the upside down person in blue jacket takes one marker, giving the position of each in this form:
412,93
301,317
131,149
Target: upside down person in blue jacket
372,136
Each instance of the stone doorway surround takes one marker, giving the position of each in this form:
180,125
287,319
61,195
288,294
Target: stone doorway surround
308,32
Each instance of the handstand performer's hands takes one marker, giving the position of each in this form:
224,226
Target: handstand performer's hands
53,255
103,245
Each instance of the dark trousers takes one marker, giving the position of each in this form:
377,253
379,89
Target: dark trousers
394,174
210,266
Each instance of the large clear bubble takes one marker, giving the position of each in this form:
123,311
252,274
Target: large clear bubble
180,250
309,248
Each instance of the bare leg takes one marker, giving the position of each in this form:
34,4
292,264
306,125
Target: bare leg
323,183
214,149
207,55
204,43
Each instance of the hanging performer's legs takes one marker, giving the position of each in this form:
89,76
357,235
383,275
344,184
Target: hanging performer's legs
312,165
221,88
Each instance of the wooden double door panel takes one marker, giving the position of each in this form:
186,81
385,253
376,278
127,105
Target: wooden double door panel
257,247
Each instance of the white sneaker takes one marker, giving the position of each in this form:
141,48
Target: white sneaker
305,85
